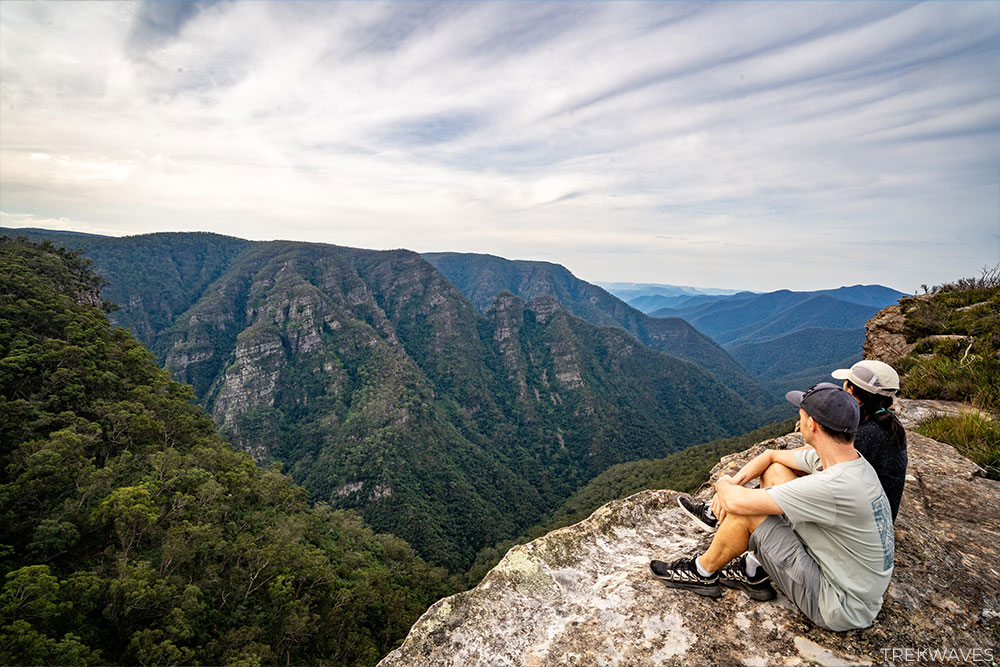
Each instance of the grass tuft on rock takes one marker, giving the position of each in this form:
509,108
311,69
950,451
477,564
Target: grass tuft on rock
973,434
956,330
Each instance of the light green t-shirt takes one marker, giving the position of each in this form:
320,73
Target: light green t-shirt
844,520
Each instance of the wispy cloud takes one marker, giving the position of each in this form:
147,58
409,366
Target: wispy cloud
725,144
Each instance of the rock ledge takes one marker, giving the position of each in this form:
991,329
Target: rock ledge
582,595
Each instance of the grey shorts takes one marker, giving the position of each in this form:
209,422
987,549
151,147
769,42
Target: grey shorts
793,571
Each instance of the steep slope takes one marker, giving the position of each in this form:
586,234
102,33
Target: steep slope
153,278
295,355
375,380
583,594
481,277
134,534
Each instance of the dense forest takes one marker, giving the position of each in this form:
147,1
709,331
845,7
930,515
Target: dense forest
133,533
481,277
381,388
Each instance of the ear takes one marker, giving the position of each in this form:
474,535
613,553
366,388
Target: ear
810,423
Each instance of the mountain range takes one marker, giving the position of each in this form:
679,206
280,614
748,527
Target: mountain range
480,277
783,338
451,422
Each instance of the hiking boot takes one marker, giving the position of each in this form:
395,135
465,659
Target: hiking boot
683,573
700,512
757,587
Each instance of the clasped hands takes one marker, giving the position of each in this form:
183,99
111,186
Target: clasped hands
718,507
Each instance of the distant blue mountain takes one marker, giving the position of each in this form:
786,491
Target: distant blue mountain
801,358
744,318
631,291
649,303
787,339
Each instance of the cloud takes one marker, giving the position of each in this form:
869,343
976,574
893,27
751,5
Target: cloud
706,144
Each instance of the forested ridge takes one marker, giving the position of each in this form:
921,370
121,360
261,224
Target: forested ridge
481,277
134,534
381,388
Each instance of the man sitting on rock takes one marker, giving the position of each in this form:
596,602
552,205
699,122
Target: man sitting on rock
820,524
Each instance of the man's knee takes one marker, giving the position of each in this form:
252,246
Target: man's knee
749,521
777,473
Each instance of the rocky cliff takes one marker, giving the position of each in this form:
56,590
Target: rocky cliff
582,595
381,389
481,277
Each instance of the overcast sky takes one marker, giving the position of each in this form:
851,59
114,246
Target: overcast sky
799,145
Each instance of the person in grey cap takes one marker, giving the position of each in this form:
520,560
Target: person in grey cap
881,439
819,528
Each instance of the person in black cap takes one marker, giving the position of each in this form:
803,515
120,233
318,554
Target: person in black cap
819,528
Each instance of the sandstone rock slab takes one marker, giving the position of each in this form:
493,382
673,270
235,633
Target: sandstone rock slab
582,595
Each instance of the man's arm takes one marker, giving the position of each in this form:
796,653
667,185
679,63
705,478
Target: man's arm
755,503
738,499
758,464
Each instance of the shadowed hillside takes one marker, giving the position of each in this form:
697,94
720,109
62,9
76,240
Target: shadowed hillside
134,534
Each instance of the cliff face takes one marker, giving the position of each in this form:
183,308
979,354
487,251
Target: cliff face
885,337
374,380
582,595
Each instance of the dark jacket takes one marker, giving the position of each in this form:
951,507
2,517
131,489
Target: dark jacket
872,442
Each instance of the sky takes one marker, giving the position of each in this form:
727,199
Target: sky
741,145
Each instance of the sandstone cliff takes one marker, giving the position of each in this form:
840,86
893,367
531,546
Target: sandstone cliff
582,595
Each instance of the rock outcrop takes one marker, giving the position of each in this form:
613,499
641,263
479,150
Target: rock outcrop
582,595
885,336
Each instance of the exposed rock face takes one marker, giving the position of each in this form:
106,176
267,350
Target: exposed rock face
582,595
884,336
481,277
912,412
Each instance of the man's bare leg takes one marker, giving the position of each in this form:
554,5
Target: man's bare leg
777,473
701,575
733,535
730,540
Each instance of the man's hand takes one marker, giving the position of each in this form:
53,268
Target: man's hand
718,509
725,479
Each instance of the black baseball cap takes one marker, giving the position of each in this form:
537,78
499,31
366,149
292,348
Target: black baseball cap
830,405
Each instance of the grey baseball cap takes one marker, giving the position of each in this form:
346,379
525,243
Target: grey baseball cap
873,376
830,405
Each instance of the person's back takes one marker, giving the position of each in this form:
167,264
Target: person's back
881,439
873,443
850,536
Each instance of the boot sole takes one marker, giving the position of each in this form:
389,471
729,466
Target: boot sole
708,591
761,595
